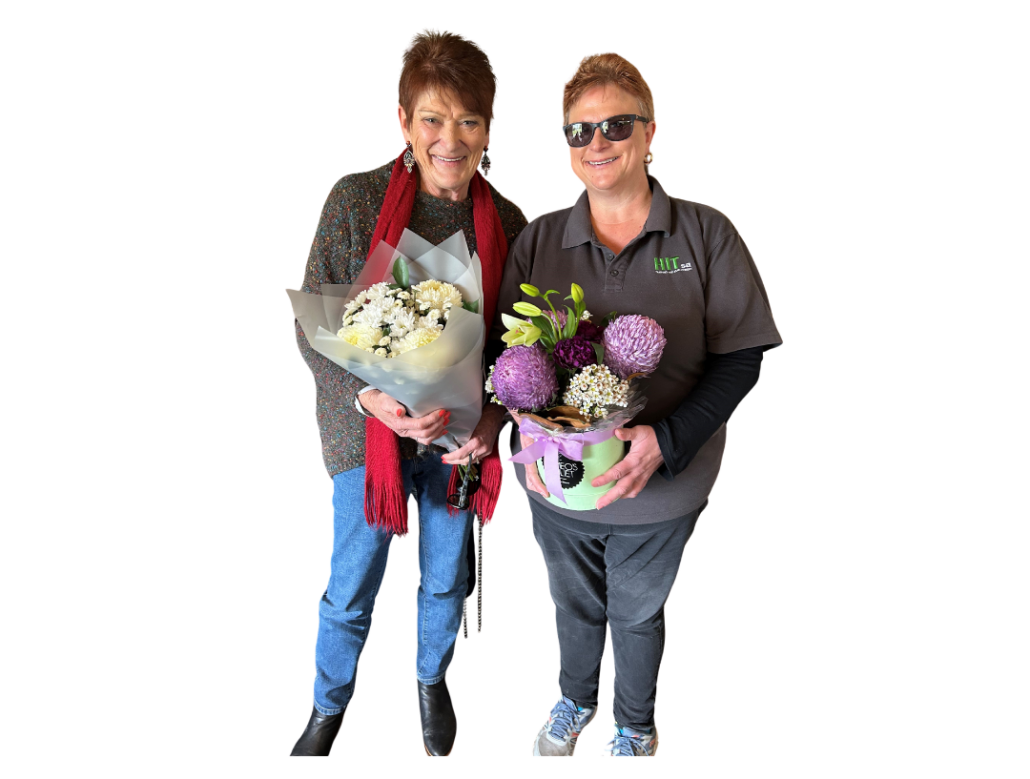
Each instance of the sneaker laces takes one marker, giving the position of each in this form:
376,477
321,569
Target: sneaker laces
625,745
566,718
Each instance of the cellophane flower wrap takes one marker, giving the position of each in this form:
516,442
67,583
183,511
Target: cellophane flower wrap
572,379
427,355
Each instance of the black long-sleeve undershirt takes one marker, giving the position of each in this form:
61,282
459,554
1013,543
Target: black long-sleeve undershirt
725,382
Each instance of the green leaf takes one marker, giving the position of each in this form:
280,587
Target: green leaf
546,326
400,273
609,318
599,351
571,323
471,305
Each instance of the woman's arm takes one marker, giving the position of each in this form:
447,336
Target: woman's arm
330,248
725,382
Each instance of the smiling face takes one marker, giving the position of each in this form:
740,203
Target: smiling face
610,167
447,142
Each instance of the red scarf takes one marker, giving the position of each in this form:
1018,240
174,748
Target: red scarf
386,505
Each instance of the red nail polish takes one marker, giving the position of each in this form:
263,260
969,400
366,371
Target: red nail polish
400,412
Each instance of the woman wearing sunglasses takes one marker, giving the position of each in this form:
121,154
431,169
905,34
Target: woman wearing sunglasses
371,446
636,250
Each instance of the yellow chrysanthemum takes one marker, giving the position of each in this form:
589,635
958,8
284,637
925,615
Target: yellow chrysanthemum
362,336
418,338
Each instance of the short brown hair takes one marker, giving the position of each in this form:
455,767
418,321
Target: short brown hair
446,62
602,69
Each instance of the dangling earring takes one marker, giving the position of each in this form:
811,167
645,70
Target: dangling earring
648,158
485,162
409,158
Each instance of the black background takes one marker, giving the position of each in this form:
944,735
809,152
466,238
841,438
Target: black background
723,647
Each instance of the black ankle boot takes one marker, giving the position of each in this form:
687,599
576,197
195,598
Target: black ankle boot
317,738
438,722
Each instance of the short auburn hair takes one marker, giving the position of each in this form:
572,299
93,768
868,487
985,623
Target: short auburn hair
445,62
602,69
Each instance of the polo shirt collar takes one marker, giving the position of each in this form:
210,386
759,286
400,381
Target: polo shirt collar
578,229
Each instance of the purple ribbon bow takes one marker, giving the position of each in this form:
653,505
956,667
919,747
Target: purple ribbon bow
548,445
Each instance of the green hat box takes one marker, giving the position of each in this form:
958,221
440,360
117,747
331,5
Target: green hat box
576,476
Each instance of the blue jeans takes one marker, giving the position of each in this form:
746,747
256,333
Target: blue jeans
358,563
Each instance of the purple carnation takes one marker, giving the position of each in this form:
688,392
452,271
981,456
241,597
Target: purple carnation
633,344
589,330
574,353
524,378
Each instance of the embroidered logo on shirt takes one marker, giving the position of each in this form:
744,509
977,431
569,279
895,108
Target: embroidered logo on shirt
670,265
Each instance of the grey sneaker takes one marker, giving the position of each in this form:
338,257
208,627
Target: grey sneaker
558,737
633,743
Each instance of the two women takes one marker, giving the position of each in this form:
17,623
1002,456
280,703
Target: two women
633,249
370,445
636,250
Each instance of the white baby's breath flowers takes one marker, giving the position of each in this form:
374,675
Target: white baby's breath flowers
489,387
593,388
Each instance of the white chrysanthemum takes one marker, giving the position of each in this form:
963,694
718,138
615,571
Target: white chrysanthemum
436,294
377,291
373,313
361,335
381,352
404,319
427,323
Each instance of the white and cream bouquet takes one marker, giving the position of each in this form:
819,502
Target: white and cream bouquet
410,326
391,319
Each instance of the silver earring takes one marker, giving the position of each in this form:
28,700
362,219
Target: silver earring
648,158
485,162
409,158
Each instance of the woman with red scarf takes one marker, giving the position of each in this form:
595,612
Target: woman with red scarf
376,454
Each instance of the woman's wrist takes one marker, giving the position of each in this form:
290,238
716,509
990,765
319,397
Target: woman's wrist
365,402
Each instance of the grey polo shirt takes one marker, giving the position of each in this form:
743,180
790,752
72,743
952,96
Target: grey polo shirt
691,272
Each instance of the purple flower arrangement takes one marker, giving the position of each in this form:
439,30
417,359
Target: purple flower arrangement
563,358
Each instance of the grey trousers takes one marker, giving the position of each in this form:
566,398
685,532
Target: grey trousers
617,576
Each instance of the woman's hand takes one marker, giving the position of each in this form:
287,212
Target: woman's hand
425,429
632,472
483,439
533,481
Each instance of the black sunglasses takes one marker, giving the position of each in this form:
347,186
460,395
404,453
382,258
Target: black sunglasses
614,128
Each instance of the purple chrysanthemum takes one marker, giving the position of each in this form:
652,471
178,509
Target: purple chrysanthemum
524,378
561,320
589,330
574,353
633,344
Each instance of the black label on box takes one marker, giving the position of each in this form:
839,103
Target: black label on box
571,472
